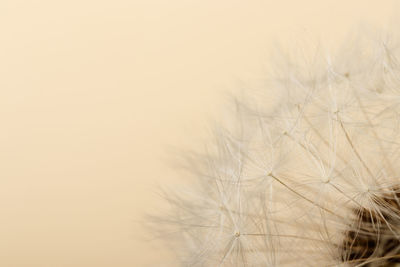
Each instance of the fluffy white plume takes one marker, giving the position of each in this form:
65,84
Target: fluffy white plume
312,181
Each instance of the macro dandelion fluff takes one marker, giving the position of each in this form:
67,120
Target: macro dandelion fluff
312,181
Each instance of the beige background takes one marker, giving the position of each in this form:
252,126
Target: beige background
93,93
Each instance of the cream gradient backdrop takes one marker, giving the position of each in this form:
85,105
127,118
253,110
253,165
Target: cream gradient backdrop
92,94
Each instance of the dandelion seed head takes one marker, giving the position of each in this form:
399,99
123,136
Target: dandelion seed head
313,180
